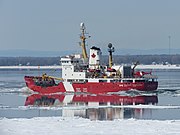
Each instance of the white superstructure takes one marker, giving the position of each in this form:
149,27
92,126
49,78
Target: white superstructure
72,67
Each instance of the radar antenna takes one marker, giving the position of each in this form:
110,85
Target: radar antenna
110,50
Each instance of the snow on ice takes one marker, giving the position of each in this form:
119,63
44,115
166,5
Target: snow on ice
81,126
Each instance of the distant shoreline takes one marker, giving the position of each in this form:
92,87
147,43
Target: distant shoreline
158,67
59,67
30,67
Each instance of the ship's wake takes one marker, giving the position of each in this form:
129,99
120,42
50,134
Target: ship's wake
161,91
23,90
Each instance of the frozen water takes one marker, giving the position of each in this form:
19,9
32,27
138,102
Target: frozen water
81,126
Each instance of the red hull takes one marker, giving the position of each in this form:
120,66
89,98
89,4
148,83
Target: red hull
91,87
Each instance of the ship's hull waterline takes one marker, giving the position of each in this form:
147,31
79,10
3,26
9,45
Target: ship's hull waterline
90,87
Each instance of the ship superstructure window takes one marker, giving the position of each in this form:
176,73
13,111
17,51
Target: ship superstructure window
116,80
102,80
112,80
64,61
127,80
69,80
139,80
74,61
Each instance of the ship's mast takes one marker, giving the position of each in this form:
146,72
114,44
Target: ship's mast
110,50
83,41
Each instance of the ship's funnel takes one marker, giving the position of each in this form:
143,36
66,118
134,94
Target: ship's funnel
94,57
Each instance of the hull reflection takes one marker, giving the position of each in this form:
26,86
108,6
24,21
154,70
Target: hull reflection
94,107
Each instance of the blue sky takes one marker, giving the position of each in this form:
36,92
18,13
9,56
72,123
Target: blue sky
52,25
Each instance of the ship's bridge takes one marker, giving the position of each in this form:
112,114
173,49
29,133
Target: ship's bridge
71,60
73,67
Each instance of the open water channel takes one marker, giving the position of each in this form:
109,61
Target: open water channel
17,101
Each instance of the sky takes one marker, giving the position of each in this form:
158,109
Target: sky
54,25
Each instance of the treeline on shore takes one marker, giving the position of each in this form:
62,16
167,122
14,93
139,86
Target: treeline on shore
117,59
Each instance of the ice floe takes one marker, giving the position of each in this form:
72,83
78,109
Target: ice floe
81,126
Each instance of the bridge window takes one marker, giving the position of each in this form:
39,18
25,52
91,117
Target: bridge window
64,61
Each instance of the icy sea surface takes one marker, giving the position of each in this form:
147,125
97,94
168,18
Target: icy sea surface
17,101
23,112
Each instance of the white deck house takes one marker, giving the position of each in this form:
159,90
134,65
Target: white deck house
72,67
